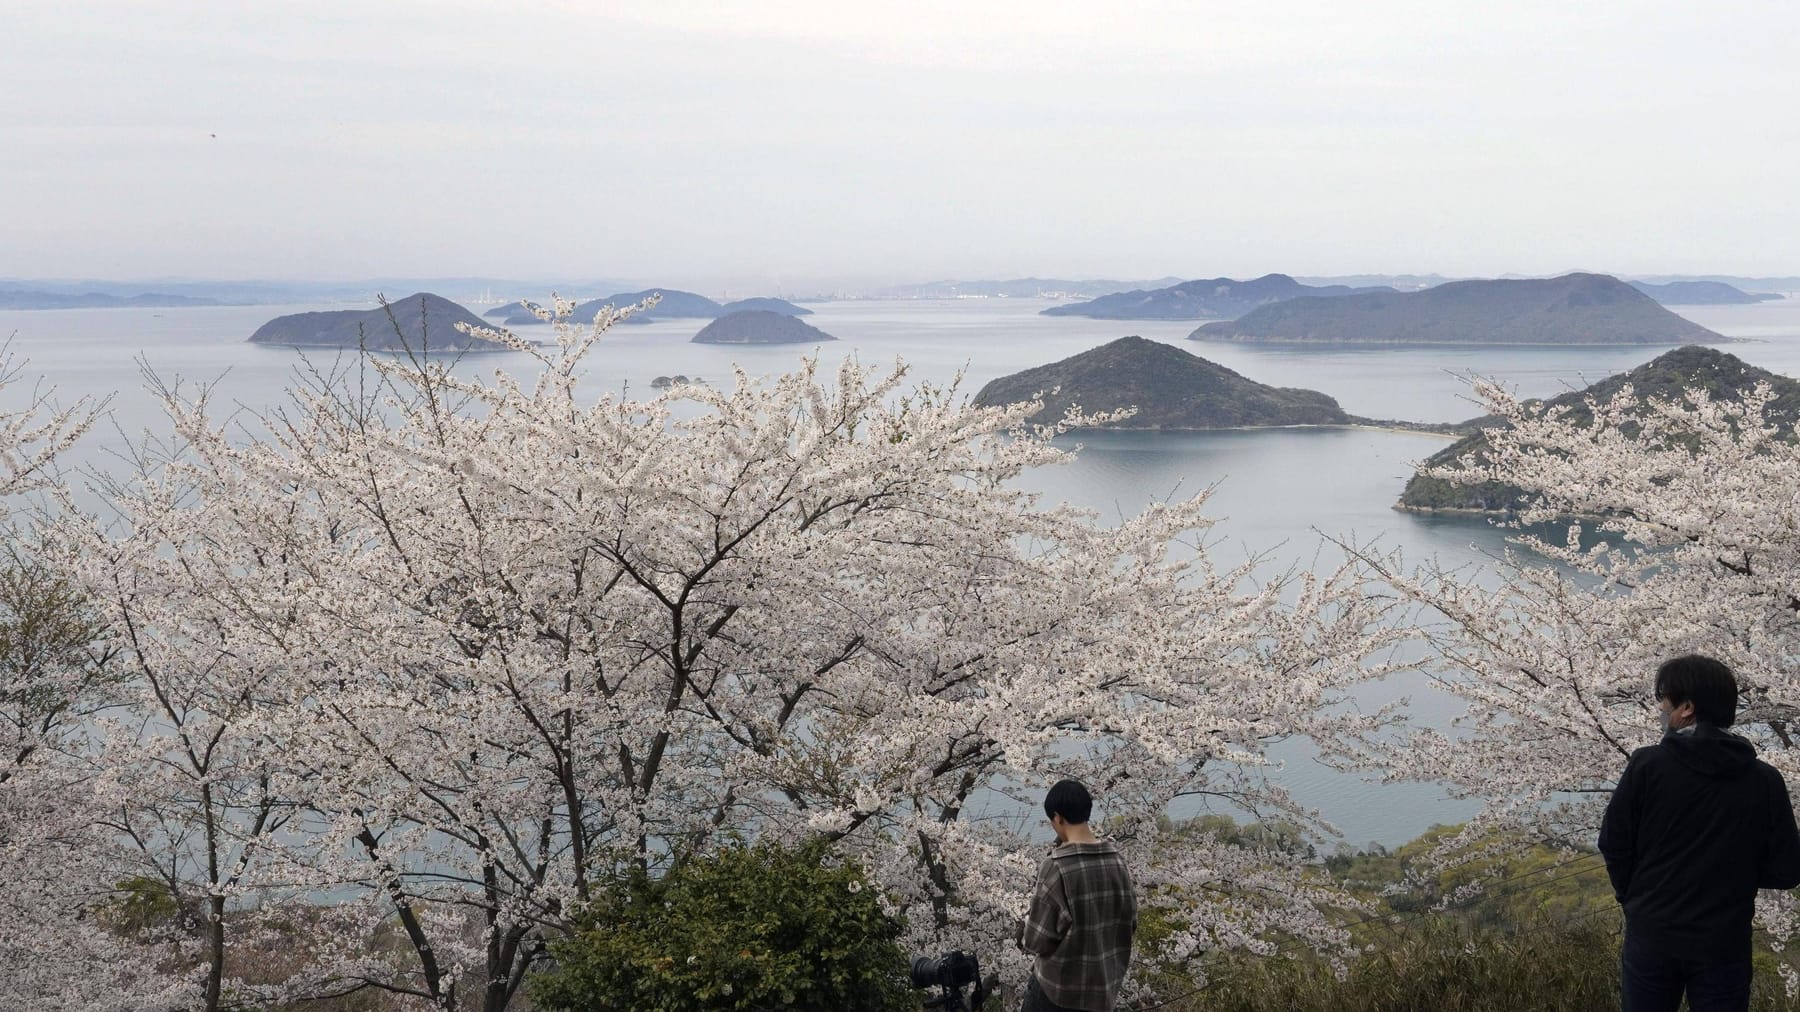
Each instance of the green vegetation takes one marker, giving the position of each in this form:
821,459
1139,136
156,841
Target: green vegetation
1541,932
751,927
757,927
1437,965
140,905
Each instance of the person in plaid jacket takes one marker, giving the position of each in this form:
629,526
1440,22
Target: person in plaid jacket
1083,913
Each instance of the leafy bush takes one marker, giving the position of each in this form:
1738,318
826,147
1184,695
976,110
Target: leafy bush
763,927
139,905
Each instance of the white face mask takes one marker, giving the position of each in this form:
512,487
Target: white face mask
1665,719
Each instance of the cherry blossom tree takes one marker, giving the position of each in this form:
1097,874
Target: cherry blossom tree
62,933
432,656
34,429
1687,542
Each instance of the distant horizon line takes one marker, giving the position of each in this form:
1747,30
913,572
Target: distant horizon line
867,279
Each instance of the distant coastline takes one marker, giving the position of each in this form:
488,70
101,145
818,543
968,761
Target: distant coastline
40,300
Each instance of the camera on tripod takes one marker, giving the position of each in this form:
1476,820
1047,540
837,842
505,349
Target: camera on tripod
950,973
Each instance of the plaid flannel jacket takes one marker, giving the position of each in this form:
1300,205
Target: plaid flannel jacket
1080,924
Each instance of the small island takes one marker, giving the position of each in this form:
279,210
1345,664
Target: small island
1212,299
1667,377
675,304
1701,293
781,306
421,322
760,326
1572,309
1170,388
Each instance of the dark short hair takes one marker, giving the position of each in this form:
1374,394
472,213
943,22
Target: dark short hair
1703,681
1069,799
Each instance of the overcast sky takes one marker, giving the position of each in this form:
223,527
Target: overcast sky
686,142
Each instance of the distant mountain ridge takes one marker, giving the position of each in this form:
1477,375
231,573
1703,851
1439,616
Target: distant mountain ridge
1169,387
1763,284
1572,309
1701,293
675,304
1724,376
1207,299
425,321
295,292
32,299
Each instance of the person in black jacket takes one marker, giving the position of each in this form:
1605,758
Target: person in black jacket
1696,825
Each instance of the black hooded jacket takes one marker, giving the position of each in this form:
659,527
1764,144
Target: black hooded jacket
1695,827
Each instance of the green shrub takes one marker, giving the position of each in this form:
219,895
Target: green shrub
140,904
748,928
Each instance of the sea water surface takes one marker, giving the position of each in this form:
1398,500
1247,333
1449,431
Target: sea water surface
1277,493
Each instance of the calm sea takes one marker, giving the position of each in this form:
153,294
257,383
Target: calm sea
1277,491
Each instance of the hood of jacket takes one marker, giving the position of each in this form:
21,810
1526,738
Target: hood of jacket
1710,751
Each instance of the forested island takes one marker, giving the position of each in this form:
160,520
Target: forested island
760,326
1170,388
1209,299
1724,376
1572,309
421,321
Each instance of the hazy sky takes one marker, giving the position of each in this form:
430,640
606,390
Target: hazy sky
776,143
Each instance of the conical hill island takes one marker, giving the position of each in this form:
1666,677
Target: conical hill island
773,305
760,326
421,321
1573,309
1667,377
1170,388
